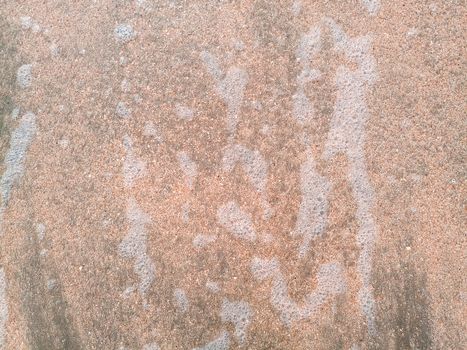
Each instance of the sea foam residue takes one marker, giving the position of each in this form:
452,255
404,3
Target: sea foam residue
189,168
124,33
230,86
181,300
201,241
236,221
347,136
330,282
372,6
134,246
312,215
239,313
24,76
133,167
151,346
309,46
20,141
3,308
183,112
222,342
254,165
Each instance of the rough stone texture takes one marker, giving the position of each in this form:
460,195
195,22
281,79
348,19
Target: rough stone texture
333,130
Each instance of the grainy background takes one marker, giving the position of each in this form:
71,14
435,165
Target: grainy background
155,152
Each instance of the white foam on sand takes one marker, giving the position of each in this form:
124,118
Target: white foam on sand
124,33
122,110
347,136
134,246
240,314
40,230
256,168
133,167
3,307
201,241
236,221
308,47
330,282
312,214
229,85
181,300
20,141
183,112
151,346
15,157
222,342
189,168
24,76
372,6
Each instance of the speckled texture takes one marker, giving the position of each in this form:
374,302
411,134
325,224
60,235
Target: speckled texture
247,174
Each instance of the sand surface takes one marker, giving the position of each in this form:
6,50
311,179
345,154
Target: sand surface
249,174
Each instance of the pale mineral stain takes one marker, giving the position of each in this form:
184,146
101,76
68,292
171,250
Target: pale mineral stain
3,307
222,342
181,300
230,86
189,168
312,214
240,314
236,221
254,165
330,283
133,168
134,246
24,76
347,136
